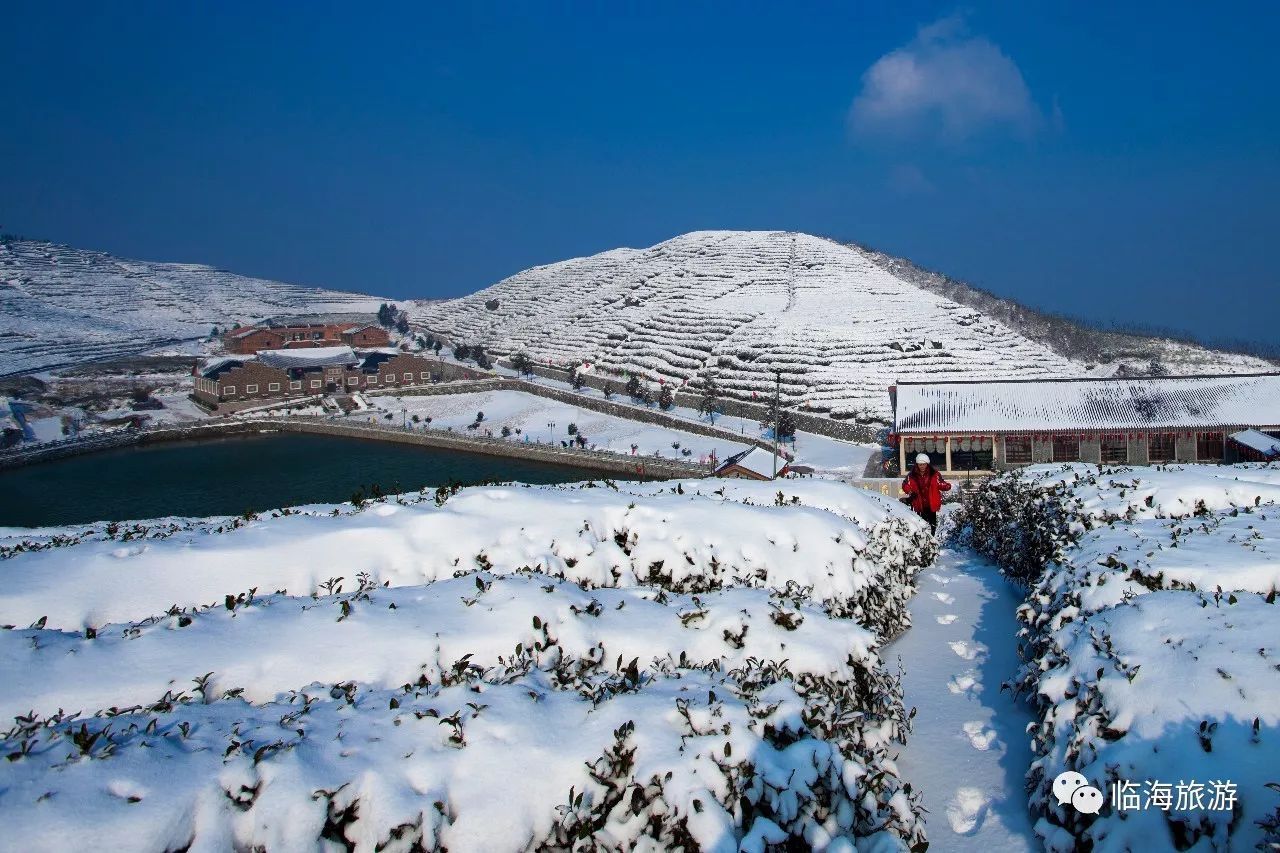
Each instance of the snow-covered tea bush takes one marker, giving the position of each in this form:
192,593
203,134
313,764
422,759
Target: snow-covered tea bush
1152,646
670,666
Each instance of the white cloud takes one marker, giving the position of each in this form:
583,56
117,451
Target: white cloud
944,83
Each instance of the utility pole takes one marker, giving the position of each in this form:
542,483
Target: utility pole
777,392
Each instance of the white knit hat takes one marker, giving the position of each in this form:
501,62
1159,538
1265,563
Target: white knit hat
922,457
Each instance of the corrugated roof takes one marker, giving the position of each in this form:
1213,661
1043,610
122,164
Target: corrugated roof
1131,403
314,357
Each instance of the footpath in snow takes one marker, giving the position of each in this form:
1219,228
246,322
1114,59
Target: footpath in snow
968,752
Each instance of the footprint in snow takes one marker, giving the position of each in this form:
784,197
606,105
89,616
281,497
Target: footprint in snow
947,619
963,649
980,735
945,598
964,682
967,810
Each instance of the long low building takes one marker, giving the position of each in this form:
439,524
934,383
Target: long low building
996,425
281,374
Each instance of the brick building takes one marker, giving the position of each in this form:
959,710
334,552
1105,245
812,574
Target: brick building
296,373
270,336
996,425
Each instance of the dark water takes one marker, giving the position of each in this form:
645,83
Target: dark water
228,476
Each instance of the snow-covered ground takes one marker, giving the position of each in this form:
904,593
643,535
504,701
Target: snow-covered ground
496,668
1151,640
546,421
830,456
969,749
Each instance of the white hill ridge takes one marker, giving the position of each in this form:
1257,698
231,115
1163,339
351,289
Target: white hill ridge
61,305
839,326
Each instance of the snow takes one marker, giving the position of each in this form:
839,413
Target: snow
838,325
533,415
309,357
70,306
754,460
1150,646
1175,402
968,749
1259,441
831,456
657,665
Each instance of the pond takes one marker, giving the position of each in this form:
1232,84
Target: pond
235,474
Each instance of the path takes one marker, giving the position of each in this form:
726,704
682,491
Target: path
968,751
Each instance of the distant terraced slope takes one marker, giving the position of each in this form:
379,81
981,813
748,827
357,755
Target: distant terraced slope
840,328
60,305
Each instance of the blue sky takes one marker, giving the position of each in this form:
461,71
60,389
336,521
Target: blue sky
1115,163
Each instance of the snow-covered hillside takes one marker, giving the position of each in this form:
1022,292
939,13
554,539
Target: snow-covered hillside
839,326
60,305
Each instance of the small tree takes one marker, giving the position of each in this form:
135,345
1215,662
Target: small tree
387,315
462,352
402,323
506,432
479,417
437,346
666,398
633,387
709,403
646,395
573,429
575,378
609,390
522,363
786,426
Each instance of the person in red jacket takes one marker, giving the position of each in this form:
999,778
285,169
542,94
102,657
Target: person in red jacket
924,485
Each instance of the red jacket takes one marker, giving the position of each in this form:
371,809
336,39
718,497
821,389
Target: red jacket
926,492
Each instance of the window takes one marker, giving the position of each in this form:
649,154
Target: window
315,336
408,377
274,386
251,389
389,378
424,376
229,390
315,383
1160,446
373,379
1017,449
1209,446
1115,447
295,385
1066,448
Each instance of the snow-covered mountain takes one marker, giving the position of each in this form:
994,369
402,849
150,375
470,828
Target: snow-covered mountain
60,305
840,322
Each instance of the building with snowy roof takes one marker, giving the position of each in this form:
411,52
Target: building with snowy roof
227,384
995,425
320,332
753,463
